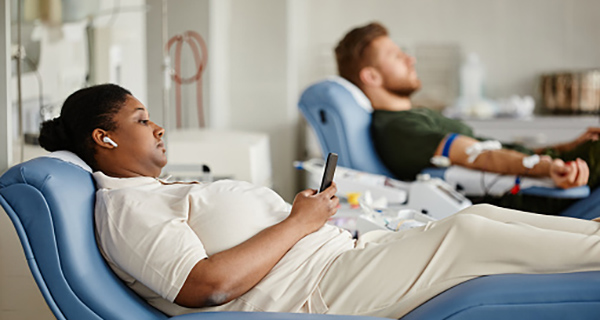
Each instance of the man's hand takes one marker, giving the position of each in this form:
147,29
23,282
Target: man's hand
570,174
591,134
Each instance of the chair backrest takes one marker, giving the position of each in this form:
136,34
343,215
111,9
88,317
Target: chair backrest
340,115
51,204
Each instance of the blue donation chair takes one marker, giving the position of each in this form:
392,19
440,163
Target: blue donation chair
51,204
340,114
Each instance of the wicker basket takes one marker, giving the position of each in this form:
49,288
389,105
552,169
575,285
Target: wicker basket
572,92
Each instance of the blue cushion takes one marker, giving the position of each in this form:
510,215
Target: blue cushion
517,297
342,126
588,208
51,204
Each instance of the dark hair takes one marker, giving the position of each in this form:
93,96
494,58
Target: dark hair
349,52
82,112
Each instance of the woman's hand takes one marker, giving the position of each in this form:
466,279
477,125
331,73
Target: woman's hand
311,210
228,274
571,174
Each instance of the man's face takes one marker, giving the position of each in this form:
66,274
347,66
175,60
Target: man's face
395,66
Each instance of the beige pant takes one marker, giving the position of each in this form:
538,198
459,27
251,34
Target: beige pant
391,273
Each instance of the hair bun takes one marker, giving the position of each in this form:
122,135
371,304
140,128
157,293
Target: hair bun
53,136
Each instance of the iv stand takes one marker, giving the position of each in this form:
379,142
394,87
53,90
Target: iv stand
19,96
166,65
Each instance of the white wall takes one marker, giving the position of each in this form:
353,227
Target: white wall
517,40
259,82
183,15
250,41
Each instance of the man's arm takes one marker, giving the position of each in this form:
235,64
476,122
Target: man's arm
505,161
227,275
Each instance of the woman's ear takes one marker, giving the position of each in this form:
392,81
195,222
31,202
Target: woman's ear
98,136
370,77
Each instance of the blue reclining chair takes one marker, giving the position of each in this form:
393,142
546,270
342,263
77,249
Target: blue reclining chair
338,112
340,115
51,202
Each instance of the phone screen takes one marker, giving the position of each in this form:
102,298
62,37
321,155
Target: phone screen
329,171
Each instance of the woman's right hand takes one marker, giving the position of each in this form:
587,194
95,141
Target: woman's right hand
311,210
228,274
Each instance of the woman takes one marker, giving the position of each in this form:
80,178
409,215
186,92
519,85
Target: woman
228,245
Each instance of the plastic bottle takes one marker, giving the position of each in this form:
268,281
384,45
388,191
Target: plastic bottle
471,81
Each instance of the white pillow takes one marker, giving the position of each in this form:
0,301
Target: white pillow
70,157
358,95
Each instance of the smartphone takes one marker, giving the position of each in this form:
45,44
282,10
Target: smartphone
329,171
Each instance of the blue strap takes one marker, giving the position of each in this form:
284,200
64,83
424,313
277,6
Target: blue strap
449,140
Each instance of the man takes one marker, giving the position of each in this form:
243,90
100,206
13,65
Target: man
407,138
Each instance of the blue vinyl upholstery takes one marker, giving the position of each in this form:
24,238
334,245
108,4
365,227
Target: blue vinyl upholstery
517,297
51,204
342,126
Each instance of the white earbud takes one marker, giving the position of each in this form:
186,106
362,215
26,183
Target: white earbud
109,140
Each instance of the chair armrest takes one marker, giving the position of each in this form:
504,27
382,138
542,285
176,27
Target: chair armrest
472,182
572,193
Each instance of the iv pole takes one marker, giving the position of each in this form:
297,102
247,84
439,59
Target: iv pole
19,96
166,70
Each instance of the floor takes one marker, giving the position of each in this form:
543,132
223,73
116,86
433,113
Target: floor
20,297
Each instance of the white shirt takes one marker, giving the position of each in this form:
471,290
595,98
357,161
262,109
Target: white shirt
153,233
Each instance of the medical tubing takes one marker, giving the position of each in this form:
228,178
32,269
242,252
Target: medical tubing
200,52
486,188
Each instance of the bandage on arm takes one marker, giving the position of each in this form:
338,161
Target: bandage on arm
501,161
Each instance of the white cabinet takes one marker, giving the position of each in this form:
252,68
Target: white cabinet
536,131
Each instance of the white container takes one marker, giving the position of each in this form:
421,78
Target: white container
471,79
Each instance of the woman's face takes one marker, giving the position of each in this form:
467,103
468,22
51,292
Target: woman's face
140,150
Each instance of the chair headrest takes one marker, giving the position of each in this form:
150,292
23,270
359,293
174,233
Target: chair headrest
70,157
340,113
357,94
